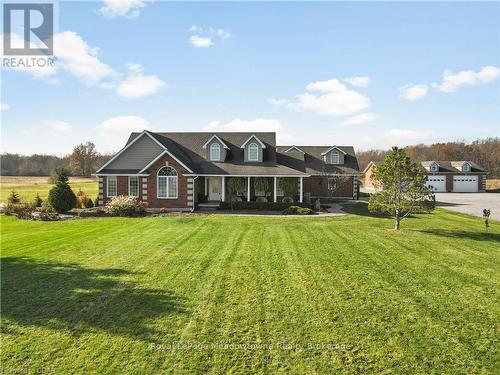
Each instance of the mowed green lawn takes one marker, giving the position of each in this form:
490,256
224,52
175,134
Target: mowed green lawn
305,295
27,187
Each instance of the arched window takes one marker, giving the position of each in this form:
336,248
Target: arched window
334,157
167,183
253,152
215,151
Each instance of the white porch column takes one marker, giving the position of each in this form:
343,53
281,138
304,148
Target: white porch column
248,189
275,190
223,190
301,189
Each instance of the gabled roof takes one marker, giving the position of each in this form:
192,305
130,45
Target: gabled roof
314,163
369,165
453,165
294,148
139,135
331,148
256,138
188,150
216,137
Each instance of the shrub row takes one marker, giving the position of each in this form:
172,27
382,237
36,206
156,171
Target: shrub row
297,210
278,206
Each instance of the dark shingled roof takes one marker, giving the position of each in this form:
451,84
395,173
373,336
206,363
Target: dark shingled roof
314,163
452,166
188,148
119,171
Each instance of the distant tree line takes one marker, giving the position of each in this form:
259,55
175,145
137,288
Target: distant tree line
485,152
83,161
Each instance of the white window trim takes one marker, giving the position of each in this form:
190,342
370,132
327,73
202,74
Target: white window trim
336,153
138,186
158,184
219,151
466,167
107,186
434,167
248,152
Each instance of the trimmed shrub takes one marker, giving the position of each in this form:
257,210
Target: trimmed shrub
14,197
296,210
24,211
287,200
267,206
96,202
100,212
38,201
47,216
125,206
59,173
62,198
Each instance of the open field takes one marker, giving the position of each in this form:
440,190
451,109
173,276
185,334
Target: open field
165,294
493,184
27,186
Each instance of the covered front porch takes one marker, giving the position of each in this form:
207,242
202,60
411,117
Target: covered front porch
211,189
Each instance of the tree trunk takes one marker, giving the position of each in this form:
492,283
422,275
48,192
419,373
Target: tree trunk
398,220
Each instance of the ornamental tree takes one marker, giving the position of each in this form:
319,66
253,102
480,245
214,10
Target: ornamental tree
402,188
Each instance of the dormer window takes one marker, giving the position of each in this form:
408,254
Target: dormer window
253,152
466,167
334,157
434,167
215,151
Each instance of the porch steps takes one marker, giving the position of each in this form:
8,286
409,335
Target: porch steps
208,206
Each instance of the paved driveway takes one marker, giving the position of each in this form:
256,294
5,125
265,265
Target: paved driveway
470,203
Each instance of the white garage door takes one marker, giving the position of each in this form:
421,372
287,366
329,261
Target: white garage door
465,184
437,183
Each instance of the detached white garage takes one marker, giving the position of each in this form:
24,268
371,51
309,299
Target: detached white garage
465,184
437,183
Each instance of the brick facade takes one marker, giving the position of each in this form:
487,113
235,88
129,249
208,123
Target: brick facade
318,186
148,187
368,183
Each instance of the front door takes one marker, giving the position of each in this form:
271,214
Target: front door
214,188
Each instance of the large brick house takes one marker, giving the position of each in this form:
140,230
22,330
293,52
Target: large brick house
183,170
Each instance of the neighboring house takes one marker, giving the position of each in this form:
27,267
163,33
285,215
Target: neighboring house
369,184
181,170
455,176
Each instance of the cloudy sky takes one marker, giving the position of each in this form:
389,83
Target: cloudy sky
370,75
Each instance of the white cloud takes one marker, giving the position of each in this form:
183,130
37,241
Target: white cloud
206,39
413,92
122,8
195,29
4,107
223,34
359,119
403,137
277,101
80,59
335,99
138,85
358,81
200,41
50,128
257,125
73,55
114,131
452,82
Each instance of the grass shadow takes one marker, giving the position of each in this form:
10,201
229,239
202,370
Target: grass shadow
70,297
462,234
361,209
